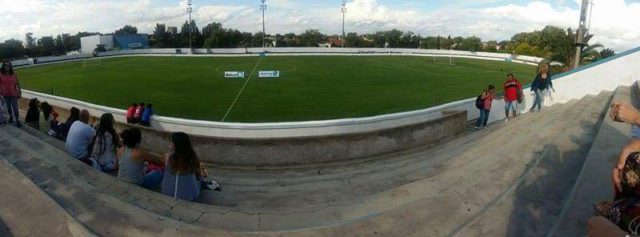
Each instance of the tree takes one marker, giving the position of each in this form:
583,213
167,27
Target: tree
430,43
59,48
491,46
446,43
353,40
196,40
524,49
605,53
160,37
311,38
472,43
589,53
12,49
46,45
29,40
126,30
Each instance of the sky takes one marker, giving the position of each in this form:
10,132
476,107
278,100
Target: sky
615,23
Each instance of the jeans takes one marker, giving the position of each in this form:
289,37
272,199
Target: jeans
483,119
12,105
510,105
152,179
539,100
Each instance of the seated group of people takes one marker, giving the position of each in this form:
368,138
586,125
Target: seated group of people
179,173
139,114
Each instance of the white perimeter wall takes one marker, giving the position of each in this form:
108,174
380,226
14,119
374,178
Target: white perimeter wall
574,85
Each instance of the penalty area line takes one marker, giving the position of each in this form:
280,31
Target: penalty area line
241,90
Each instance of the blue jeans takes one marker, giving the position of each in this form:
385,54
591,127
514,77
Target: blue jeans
12,107
510,105
539,100
152,179
483,119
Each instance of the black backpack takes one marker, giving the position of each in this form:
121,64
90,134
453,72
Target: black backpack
479,102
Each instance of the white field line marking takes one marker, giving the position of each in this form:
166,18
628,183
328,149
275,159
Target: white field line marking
241,90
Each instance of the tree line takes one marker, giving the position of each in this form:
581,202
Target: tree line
553,43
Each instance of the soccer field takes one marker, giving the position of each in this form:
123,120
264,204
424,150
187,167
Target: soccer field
309,87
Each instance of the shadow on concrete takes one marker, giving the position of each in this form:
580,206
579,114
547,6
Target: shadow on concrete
4,229
540,199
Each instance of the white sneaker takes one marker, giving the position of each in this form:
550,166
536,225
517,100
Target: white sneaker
506,120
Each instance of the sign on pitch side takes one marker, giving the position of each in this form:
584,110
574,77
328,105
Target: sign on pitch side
233,74
269,74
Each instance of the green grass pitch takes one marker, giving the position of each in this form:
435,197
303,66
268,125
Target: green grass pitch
309,87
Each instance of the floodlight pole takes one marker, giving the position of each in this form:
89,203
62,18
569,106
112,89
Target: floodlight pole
189,11
344,12
581,32
263,8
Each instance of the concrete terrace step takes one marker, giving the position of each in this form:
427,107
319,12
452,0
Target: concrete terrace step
99,208
594,182
534,203
27,211
356,180
421,192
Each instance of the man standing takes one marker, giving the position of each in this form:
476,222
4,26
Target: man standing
512,95
80,136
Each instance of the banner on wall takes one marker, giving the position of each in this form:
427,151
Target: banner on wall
233,74
269,74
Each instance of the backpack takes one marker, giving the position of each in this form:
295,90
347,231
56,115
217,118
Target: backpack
479,102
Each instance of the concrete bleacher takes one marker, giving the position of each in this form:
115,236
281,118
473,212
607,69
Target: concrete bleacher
594,182
513,179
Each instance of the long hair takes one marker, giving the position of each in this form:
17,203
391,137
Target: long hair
543,66
46,110
184,159
4,71
73,116
105,126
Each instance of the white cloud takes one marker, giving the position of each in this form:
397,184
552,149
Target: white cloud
614,21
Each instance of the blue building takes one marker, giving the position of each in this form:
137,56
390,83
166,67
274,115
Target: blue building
137,41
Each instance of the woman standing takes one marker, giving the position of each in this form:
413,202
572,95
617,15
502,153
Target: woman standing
10,90
182,172
105,144
540,85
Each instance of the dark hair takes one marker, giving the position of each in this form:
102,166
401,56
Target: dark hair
46,110
33,114
134,105
33,103
183,159
74,116
141,104
4,71
85,116
131,137
491,87
105,126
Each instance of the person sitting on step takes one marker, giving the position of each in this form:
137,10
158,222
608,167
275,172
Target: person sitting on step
131,160
105,144
79,137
